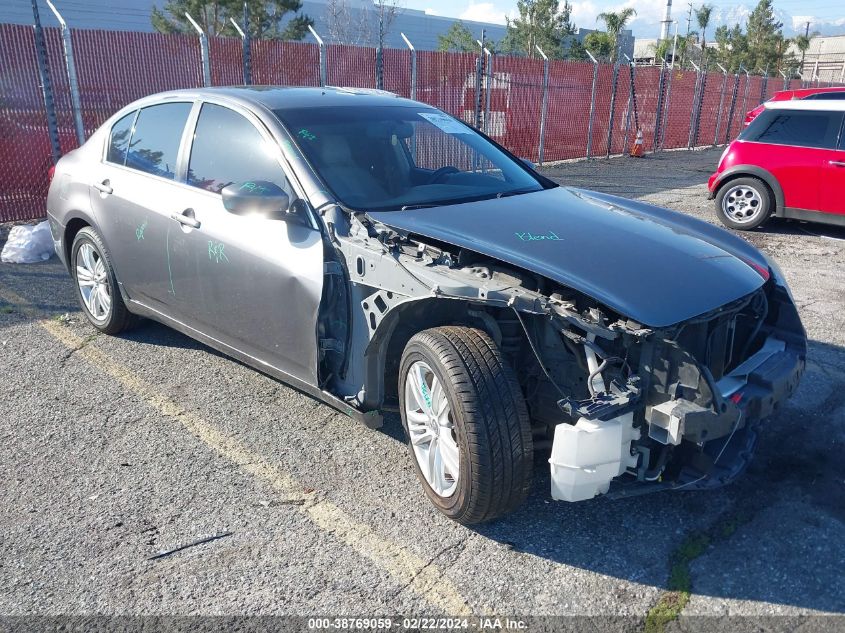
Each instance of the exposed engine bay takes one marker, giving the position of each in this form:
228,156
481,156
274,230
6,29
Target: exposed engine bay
611,400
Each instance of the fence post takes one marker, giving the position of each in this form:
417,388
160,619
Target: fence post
667,105
247,56
322,48
612,106
785,80
747,86
488,83
628,108
46,85
479,74
379,67
75,103
721,101
815,76
592,104
695,105
733,105
765,84
413,66
842,74
661,87
543,104
206,66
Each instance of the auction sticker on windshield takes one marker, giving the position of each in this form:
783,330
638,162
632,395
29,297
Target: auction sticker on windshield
445,123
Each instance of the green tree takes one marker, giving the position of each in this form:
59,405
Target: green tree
458,39
599,44
802,43
267,18
702,17
540,23
615,22
765,39
731,47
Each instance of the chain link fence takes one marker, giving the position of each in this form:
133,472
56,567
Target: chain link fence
542,110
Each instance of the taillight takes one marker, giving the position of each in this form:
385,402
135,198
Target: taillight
50,173
750,116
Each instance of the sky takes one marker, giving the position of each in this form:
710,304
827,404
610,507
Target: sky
825,15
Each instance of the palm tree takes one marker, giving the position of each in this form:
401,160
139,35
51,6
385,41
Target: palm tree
614,22
702,16
802,43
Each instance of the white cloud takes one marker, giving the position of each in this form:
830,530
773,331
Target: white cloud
584,14
430,11
483,12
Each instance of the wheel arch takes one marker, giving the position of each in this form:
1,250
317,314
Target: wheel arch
384,351
754,171
75,223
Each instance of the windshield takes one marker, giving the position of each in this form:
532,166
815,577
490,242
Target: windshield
399,157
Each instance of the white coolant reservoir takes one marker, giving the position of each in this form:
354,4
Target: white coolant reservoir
587,455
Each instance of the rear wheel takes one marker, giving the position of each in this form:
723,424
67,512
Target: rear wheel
744,203
96,284
467,424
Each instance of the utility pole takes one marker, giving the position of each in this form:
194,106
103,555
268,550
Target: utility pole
804,52
667,20
689,18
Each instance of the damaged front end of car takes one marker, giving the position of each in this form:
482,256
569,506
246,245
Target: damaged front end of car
619,407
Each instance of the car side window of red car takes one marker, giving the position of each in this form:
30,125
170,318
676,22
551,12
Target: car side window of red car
797,128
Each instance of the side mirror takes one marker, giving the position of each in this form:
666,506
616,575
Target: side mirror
529,164
256,198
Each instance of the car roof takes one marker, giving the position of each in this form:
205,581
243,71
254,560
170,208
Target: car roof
285,97
817,106
804,92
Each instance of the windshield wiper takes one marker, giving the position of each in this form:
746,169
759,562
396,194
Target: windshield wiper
408,207
515,192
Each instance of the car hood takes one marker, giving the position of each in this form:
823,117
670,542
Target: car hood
649,264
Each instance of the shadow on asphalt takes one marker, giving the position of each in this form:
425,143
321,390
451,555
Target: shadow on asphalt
781,226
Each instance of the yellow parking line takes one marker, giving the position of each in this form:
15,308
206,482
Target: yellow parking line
422,577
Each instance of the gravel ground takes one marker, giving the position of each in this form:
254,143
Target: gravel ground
117,449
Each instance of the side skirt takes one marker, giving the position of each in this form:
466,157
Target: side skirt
836,219
372,419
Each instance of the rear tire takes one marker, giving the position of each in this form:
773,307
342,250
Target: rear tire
487,423
96,284
744,203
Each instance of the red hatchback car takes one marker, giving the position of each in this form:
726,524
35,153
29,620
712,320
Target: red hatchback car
789,163
832,93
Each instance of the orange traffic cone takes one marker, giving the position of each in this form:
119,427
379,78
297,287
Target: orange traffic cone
637,147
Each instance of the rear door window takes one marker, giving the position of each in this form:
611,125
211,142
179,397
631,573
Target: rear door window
119,139
228,149
800,128
155,142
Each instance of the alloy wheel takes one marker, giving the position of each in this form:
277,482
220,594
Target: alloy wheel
431,429
742,204
93,281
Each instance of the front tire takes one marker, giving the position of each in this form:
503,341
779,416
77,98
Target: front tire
466,422
96,284
744,203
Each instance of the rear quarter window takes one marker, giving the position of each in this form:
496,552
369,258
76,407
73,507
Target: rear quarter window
795,127
119,139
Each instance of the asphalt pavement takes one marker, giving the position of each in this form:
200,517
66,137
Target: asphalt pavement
146,474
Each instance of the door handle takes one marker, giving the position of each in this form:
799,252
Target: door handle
187,220
836,163
103,187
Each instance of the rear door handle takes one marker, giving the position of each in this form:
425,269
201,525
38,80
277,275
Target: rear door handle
187,220
836,163
103,187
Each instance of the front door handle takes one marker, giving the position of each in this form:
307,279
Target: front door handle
103,187
836,163
187,220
